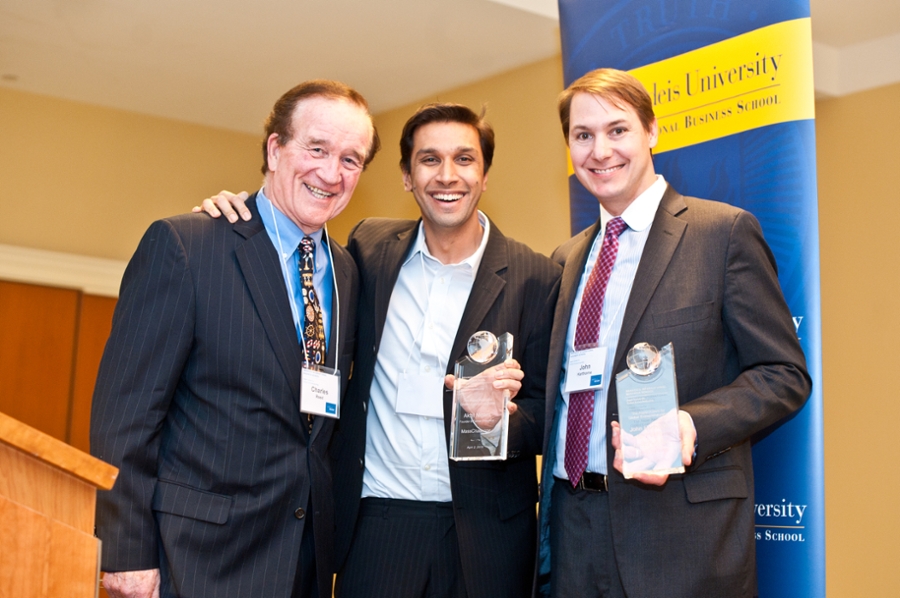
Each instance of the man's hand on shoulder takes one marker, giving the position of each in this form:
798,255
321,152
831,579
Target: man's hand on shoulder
132,584
226,204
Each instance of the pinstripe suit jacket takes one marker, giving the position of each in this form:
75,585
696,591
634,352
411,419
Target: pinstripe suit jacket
707,283
493,502
197,403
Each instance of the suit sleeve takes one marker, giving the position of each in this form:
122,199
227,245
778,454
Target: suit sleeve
527,424
149,344
772,381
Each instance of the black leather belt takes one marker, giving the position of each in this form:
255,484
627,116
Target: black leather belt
592,482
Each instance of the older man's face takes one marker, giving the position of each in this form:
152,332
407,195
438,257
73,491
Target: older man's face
312,177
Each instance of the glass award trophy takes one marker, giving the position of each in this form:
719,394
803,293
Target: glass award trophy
648,412
479,418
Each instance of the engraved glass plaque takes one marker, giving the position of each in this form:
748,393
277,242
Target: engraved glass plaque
648,412
479,418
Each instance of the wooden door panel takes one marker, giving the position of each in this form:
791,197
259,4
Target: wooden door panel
95,323
37,340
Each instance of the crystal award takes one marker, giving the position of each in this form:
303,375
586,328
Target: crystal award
479,418
648,412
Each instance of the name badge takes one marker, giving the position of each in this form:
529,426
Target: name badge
420,394
584,370
320,391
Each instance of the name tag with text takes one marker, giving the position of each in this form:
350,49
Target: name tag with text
584,370
320,392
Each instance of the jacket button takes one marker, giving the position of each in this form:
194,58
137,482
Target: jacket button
300,513
362,464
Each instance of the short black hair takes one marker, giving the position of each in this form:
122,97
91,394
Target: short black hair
446,113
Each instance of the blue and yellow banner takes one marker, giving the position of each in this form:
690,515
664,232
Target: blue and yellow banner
732,88
762,77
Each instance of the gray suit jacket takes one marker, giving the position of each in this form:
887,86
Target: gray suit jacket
515,291
197,403
707,283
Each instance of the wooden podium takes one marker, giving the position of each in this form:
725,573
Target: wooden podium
47,499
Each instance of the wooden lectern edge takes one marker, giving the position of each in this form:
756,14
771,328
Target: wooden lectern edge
57,453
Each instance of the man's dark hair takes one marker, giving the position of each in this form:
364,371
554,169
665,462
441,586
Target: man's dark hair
446,113
279,121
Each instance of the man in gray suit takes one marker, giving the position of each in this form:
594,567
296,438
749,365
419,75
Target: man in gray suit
660,268
209,391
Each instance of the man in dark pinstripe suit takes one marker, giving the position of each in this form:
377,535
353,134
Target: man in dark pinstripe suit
224,487
410,522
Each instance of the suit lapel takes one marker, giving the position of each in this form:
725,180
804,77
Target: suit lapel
485,290
338,330
489,282
571,277
665,235
258,261
393,251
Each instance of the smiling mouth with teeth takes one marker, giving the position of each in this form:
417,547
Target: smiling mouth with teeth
318,193
606,170
447,197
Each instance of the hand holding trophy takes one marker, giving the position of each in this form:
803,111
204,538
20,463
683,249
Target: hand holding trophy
648,412
480,419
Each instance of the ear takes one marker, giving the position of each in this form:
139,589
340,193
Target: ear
407,182
653,133
484,182
273,150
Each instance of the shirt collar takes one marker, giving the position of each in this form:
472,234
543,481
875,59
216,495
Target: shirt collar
640,213
290,233
472,261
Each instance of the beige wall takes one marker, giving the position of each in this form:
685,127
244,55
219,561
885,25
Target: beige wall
527,184
89,180
859,209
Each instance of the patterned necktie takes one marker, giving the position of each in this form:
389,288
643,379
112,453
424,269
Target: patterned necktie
587,331
313,329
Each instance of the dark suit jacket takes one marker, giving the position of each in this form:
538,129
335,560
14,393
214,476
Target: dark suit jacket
197,403
493,501
706,283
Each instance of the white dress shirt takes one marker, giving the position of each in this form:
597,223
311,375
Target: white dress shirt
406,455
638,216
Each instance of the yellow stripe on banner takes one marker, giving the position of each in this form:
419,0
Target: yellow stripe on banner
756,79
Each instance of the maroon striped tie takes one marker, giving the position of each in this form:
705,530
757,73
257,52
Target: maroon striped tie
587,331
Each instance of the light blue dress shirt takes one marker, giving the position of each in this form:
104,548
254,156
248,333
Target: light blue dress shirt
406,455
280,226
638,216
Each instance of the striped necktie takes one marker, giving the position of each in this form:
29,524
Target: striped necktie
587,331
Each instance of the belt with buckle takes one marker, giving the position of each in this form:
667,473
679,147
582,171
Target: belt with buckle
592,482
